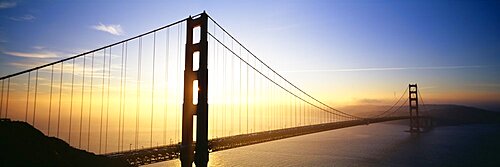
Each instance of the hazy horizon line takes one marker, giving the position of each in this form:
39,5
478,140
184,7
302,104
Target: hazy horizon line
385,69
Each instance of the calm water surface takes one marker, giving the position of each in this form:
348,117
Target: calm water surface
382,144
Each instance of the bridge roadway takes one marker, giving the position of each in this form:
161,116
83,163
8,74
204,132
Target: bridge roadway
169,152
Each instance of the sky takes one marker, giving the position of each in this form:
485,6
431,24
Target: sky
343,52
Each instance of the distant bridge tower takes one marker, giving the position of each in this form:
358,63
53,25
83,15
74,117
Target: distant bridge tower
200,109
413,105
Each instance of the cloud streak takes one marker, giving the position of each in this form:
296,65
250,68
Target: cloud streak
5,5
386,69
44,54
27,17
112,29
370,101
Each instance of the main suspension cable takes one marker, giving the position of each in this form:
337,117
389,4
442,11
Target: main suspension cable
350,115
401,97
293,94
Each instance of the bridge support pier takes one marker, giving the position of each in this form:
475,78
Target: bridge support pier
200,109
415,126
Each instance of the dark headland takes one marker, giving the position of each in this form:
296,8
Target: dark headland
23,145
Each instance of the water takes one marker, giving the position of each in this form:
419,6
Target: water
383,144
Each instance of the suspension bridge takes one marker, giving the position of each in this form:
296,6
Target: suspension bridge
179,91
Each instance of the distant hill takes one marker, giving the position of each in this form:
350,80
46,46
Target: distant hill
443,114
456,114
23,145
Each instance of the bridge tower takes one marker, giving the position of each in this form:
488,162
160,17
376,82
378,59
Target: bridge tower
200,109
413,106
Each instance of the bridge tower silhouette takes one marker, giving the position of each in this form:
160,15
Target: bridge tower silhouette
195,78
413,106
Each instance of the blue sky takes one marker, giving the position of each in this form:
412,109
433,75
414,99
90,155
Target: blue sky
346,52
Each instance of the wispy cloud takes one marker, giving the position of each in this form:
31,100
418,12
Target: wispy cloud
112,29
283,27
428,87
5,5
38,47
42,54
370,101
26,65
485,85
38,57
386,69
27,17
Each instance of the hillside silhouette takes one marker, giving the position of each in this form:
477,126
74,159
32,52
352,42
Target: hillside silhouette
23,145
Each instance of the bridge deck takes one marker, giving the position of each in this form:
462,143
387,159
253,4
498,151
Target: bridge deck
169,152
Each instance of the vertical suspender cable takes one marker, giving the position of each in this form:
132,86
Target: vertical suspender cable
300,112
1,99
422,100
102,98
240,97
215,85
247,94
269,104
268,101
179,90
217,69
247,90
211,84
81,105
27,97
60,99
50,98
107,103
261,95
165,113
178,100
71,101
283,108
34,102
272,102
224,80
304,113
90,100
290,107
8,96
232,92
274,105
254,97
265,103
152,89
215,95
121,97
138,90
295,111
181,66
122,129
